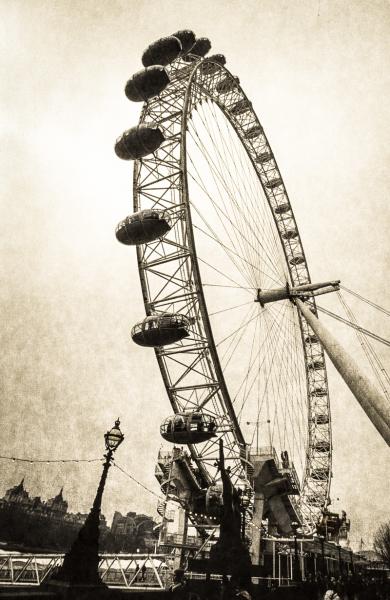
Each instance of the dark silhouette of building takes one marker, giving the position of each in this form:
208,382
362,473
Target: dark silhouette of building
19,497
134,532
28,522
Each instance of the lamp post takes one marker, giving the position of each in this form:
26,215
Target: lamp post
81,563
297,568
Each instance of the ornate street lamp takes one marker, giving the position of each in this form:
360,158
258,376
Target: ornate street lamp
80,569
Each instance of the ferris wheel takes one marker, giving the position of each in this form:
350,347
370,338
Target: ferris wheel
220,261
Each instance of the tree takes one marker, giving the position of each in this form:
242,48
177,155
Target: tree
382,542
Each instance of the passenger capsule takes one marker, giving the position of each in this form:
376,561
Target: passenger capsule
296,260
282,208
187,40
320,474
162,52
142,227
138,142
188,428
319,392
289,234
253,132
316,365
161,330
321,419
322,446
228,84
311,339
147,83
273,183
241,107
201,47
263,157
209,68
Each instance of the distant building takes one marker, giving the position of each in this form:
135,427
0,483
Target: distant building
55,508
28,513
123,525
17,495
370,555
57,504
135,531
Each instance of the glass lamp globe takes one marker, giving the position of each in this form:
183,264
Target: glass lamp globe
114,437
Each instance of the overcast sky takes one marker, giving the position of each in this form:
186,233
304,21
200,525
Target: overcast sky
317,73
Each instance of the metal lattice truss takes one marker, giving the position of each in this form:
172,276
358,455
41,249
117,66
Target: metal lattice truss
171,282
29,569
120,571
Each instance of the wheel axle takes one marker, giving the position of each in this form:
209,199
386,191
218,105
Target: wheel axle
300,291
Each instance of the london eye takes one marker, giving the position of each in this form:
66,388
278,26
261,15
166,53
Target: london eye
222,271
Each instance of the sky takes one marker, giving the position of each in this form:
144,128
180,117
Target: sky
317,75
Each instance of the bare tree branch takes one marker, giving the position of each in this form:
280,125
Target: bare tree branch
382,542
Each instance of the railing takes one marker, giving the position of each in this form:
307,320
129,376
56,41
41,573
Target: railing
126,571
291,473
177,538
20,569
264,581
265,451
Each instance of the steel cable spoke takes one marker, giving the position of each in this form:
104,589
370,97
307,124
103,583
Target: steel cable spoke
251,178
205,221
221,179
232,160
